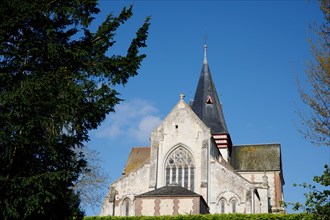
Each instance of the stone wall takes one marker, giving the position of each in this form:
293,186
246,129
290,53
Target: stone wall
180,128
127,187
275,191
228,186
155,206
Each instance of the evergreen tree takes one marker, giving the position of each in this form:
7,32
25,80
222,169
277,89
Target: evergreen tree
57,82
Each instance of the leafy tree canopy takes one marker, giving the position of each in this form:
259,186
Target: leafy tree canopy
318,197
56,84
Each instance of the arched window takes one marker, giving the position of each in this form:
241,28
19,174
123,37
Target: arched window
125,207
222,206
180,168
233,206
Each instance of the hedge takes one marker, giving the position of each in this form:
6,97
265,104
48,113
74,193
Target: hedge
211,217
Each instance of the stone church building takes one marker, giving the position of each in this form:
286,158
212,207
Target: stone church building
192,167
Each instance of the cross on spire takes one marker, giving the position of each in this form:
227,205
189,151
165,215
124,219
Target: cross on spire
182,96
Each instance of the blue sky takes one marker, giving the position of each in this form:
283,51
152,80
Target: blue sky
257,50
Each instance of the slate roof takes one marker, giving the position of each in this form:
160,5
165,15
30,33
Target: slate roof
137,156
170,190
206,103
256,157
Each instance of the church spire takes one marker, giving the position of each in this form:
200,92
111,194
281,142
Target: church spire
208,108
206,103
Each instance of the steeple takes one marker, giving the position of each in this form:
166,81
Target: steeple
206,103
207,106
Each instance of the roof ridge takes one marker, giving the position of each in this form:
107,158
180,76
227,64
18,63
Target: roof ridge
134,169
259,144
172,190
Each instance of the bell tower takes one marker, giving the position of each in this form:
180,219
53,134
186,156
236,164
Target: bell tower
207,106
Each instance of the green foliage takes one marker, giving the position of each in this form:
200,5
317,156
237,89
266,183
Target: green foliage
317,200
211,217
57,82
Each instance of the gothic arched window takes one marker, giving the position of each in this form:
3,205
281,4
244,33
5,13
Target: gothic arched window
222,206
125,207
180,168
233,206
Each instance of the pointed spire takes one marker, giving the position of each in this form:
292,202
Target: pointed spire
206,102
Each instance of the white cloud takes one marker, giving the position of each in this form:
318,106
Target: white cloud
146,125
133,119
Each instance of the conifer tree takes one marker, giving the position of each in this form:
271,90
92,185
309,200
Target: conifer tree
57,82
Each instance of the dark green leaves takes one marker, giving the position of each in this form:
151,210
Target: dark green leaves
317,198
57,82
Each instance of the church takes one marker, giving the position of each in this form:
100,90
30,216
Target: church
192,166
